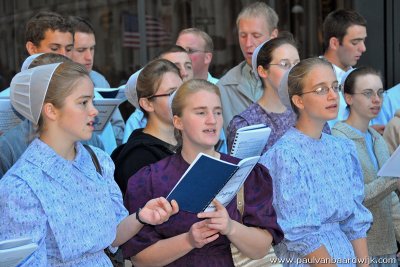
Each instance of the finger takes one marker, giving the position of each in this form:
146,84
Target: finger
200,224
217,204
211,238
165,204
175,207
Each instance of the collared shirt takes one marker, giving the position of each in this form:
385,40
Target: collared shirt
65,206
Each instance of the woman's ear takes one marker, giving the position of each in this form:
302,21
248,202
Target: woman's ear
262,72
177,122
50,111
298,101
146,104
348,98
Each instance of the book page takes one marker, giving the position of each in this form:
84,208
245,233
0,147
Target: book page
229,191
14,251
106,108
9,117
250,141
391,168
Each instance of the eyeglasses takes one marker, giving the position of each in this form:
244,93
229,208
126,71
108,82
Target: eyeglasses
324,90
368,93
160,95
285,64
192,51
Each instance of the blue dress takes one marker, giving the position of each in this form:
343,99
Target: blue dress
66,207
318,194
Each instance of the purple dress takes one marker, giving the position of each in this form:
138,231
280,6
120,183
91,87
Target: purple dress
159,178
255,114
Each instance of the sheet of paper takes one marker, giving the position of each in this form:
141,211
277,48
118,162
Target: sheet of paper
391,167
106,108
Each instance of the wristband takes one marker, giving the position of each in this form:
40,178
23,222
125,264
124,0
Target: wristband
138,218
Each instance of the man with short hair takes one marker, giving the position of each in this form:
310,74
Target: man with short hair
344,34
84,48
240,87
49,32
200,47
180,57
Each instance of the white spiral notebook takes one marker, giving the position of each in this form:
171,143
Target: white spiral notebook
250,141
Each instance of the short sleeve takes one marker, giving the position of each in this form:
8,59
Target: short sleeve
357,224
139,191
236,123
22,216
258,209
293,201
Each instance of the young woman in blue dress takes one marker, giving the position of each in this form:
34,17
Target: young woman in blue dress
317,179
54,193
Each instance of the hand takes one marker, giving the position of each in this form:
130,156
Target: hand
379,128
200,235
158,210
218,219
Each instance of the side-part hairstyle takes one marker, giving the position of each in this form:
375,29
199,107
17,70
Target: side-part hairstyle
337,22
180,96
265,55
45,20
171,49
299,73
80,24
260,9
48,58
62,83
149,79
350,82
209,45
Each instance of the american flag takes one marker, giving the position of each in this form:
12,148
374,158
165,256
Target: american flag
156,35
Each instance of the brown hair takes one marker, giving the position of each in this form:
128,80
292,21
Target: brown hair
260,9
150,77
208,42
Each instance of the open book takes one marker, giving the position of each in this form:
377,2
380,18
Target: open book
14,251
392,165
208,178
9,117
250,141
106,108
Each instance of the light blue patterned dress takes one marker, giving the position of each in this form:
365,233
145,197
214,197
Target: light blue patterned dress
318,195
66,207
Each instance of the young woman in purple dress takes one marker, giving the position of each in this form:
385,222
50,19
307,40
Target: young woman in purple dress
202,239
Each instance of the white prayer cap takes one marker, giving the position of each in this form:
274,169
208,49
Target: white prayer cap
130,89
283,90
29,88
254,58
29,60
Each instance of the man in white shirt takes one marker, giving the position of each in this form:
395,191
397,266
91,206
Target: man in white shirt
344,34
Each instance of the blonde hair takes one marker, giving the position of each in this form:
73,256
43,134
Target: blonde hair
61,85
260,9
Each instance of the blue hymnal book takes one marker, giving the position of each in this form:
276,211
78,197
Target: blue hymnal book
208,178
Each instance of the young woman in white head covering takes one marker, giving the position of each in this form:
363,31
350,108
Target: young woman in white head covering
57,193
364,93
317,180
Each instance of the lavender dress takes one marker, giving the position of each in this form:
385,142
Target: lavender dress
158,179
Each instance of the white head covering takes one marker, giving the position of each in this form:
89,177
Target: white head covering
283,90
130,89
28,90
29,60
254,58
